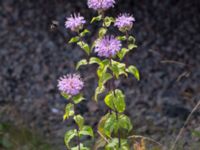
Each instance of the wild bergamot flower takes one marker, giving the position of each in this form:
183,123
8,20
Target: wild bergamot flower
100,4
124,22
70,84
108,46
75,22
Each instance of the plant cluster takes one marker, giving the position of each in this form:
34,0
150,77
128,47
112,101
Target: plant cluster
110,50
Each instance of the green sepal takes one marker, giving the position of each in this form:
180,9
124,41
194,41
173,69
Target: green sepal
74,39
69,135
133,70
98,18
84,32
69,111
115,100
81,63
78,98
84,46
86,130
79,121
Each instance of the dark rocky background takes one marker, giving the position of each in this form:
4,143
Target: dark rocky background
32,57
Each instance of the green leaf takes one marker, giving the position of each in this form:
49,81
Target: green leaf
115,100
131,39
108,20
104,78
86,130
101,123
125,123
94,60
102,32
79,121
69,111
78,98
110,125
132,46
84,46
113,144
74,39
98,91
84,32
118,68
133,70
69,135
66,96
121,38
80,63
94,19
122,53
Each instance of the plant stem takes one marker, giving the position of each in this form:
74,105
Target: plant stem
116,112
78,138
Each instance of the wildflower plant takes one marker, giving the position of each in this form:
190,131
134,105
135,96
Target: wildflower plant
110,50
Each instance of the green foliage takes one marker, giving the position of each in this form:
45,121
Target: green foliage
66,96
74,39
102,32
82,147
84,46
69,135
69,111
133,70
121,38
86,130
84,32
79,121
78,98
113,145
81,63
118,68
122,53
98,18
107,21
94,60
115,100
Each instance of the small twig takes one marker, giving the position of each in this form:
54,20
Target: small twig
102,136
146,138
185,124
173,62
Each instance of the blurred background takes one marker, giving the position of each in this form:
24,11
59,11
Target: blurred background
34,54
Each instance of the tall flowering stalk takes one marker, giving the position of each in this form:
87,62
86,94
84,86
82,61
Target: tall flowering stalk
113,127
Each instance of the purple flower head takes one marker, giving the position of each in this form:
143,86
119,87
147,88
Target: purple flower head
70,84
108,46
75,22
124,22
100,4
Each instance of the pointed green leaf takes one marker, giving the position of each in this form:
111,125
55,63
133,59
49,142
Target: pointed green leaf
84,32
122,53
81,63
118,68
86,130
69,111
79,121
98,91
78,98
110,125
69,135
115,101
94,60
125,122
74,39
133,70
104,78
84,46
132,46
98,18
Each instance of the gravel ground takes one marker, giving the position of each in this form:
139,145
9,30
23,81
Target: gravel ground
32,57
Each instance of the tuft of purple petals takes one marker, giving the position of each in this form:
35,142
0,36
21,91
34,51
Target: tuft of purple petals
101,4
108,46
124,22
70,84
75,22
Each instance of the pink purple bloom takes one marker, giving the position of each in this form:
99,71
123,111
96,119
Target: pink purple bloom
108,46
70,84
124,22
100,4
75,22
